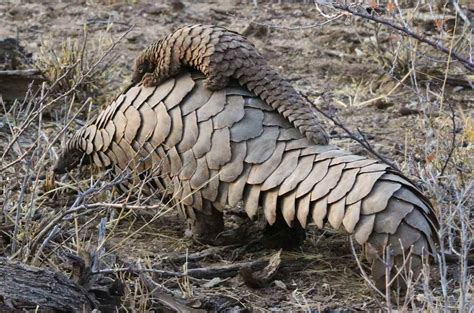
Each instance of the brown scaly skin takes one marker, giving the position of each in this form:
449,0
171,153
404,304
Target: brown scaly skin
210,151
222,55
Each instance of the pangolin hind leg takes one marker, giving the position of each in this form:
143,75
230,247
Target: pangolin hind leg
209,228
280,235
205,227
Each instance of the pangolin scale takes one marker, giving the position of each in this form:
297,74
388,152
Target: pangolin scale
214,149
222,55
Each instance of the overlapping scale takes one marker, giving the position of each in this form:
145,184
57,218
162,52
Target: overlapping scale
228,148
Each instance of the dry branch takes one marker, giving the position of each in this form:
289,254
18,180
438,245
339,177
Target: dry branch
221,270
361,140
226,270
356,11
42,287
453,140
165,300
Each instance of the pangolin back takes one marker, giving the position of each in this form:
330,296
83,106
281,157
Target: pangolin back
220,148
223,55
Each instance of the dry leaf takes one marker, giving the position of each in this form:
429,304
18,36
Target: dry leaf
261,278
439,24
391,7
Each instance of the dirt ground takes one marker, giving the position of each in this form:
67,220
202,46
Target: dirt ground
344,65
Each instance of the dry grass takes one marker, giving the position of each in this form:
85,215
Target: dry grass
82,214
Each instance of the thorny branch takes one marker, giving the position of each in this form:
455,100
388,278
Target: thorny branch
352,9
360,139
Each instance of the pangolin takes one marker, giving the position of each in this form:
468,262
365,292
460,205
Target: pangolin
215,149
223,55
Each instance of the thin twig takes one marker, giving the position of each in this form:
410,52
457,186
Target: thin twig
100,250
274,26
21,157
165,299
55,220
385,96
388,268
461,12
453,140
364,273
405,31
362,141
134,270
51,235
450,54
32,116
18,211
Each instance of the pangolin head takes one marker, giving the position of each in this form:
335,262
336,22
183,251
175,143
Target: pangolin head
68,159
141,67
146,62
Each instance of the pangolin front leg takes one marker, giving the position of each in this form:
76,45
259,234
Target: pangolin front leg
205,228
167,68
